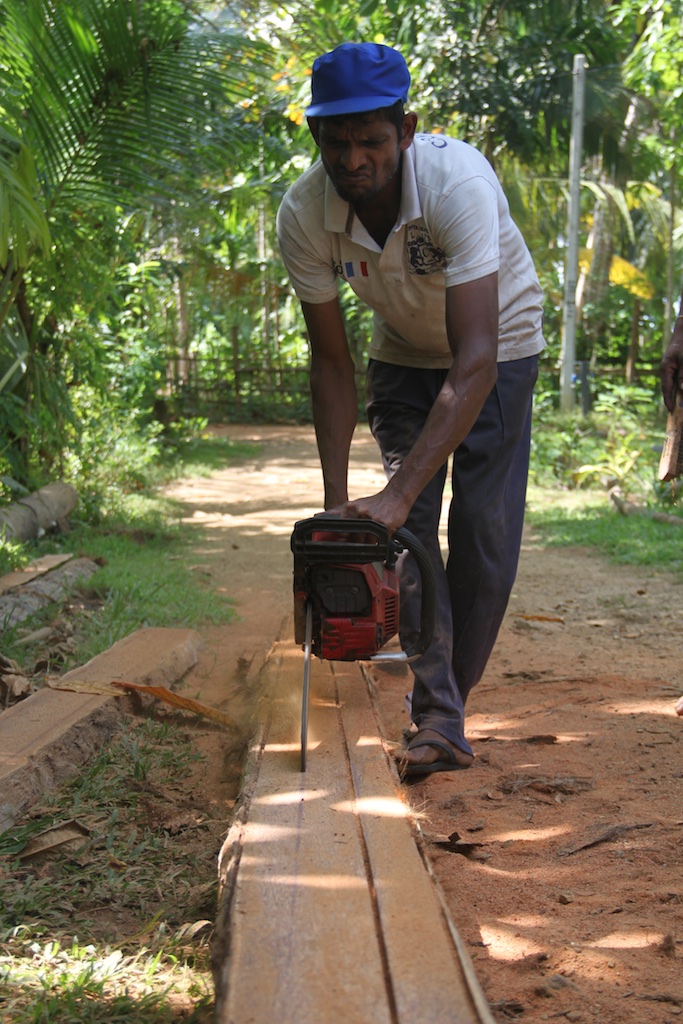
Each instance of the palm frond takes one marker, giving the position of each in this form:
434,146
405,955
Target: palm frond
13,352
22,220
124,99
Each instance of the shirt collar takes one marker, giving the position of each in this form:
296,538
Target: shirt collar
411,208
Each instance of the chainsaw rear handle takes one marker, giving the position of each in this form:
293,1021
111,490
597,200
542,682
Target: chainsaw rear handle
403,539
352,546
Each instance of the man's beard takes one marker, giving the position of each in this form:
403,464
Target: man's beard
350,196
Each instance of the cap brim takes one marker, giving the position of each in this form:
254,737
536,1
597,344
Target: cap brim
357,105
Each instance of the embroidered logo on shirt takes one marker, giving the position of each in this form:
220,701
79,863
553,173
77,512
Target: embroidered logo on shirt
423,256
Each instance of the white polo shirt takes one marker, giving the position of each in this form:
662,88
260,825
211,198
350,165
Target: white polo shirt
454,226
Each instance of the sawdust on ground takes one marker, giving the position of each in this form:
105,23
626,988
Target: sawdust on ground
559,851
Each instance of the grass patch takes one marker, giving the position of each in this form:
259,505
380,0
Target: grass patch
202,455
148,575
587,519
147,578
116,925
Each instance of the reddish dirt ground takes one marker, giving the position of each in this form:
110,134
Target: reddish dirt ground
559,851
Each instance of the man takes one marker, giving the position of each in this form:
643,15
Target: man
420,229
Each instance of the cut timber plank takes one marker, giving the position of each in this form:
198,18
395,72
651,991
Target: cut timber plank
302,874
46,737
42,565
328,912
415,930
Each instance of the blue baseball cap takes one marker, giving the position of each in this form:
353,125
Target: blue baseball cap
355,77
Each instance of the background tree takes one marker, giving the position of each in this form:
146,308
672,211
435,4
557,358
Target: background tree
117,117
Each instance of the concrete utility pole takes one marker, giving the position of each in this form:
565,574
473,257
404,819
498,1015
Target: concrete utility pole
571,274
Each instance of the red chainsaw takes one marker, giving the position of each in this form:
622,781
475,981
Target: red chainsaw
346,594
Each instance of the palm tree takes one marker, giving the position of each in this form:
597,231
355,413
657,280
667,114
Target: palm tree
108,107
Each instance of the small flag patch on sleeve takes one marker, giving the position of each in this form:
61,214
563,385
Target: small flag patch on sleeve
353,268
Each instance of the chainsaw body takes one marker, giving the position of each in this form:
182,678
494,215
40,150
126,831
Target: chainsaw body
344,570
346,594
355,610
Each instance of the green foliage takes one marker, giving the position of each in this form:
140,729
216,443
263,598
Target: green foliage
110,455
24,224
625,540
13,555
115,98
109,107
618,443
505,82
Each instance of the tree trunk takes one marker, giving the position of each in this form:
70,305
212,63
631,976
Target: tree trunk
670,256
634,344
236,365
32,516
595,289
627,508
183,330
22,602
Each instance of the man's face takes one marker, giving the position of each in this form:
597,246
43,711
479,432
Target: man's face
361,155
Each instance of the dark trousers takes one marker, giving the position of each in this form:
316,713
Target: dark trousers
489,477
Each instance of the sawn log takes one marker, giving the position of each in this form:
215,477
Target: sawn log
32,516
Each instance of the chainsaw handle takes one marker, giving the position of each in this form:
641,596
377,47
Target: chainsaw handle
333,531
404,539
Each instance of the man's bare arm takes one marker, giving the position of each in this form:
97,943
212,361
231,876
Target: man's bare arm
333,395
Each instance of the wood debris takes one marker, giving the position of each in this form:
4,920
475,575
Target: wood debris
627,508
540,618
455,844
508,1007
64,836
565,784
20,603
663,998
614,832
177,701
14,683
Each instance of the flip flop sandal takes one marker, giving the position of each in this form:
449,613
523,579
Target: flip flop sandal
449,764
